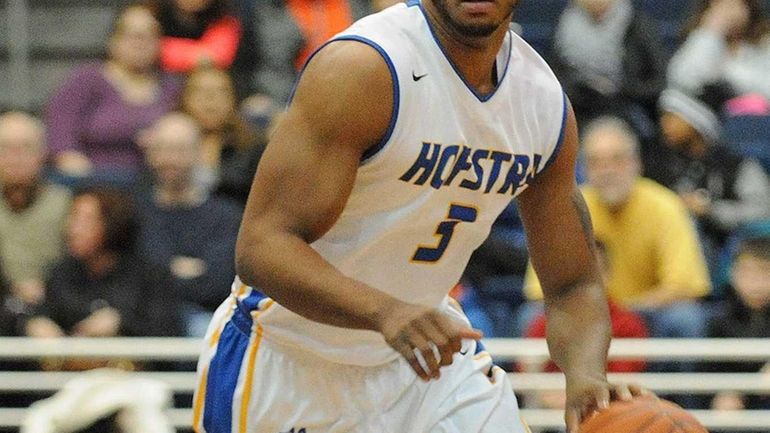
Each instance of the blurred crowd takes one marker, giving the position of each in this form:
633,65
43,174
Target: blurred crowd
121,200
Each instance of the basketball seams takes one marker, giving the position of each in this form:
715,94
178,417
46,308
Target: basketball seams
644,416
624,416
649,422
682,425
682,421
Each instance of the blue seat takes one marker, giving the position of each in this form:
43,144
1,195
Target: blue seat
666,10
749,136
538,19
671,16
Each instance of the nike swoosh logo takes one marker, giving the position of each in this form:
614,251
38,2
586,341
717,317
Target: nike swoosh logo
463,352
418,77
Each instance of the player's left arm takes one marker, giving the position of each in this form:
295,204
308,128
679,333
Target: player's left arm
561,243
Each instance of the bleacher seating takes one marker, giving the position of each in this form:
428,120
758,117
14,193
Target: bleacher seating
671,15
538,19
61,34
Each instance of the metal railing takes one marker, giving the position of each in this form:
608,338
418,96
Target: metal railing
503,350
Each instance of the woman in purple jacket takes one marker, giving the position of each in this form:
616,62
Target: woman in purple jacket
94,118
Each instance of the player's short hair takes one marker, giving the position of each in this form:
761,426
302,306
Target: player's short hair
616,124
755,246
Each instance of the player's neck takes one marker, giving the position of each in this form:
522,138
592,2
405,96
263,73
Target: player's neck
474,57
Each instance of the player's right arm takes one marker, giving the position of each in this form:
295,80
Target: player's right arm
342,107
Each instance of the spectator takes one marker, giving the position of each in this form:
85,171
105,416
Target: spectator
658,268
102,288
200,256
745,315
231,146
289,31
720,188
610,59
94,118
32,212
728,42
198,33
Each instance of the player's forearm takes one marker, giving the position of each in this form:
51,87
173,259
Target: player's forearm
579,331
287,269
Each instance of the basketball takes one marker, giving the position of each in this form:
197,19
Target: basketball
642,415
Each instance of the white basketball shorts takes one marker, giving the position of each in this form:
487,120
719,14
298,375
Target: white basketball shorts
250,384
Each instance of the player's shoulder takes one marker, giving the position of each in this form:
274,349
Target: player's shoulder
528,67
346,71
391,21
391,31
369,41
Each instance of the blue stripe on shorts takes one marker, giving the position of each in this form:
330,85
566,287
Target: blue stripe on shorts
224,370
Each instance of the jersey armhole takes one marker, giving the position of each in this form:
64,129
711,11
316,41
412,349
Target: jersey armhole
375,149
562,130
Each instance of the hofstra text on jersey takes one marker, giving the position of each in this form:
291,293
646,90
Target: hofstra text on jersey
473,169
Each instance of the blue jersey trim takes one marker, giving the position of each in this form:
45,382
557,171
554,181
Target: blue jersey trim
375,149
560,140
479,96
411,3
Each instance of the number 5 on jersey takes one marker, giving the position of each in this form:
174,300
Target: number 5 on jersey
457,214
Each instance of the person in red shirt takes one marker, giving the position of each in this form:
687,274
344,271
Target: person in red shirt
625,324
197,32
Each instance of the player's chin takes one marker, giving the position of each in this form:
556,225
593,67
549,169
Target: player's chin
479,26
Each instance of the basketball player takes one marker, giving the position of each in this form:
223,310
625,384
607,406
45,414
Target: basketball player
407,135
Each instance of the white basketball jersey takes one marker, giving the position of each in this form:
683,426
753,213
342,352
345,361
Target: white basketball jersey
425,198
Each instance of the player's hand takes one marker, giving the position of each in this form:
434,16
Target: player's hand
586,395
421,332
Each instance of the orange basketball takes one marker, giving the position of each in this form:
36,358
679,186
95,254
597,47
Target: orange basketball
642,415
